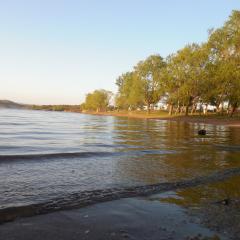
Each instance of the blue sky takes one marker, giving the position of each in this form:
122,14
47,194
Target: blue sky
55,51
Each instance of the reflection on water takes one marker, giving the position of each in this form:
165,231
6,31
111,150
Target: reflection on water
210,194
191,155
121,152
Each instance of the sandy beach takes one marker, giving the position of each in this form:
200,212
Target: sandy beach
192,213
131,218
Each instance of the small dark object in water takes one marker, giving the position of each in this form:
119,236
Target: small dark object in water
202,132
224,201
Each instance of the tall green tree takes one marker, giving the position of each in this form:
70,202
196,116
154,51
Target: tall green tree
185,73
150,75
224,45
98,100
130,93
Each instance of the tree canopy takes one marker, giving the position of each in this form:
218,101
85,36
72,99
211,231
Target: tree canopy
195,76
142,86
98,100
207,73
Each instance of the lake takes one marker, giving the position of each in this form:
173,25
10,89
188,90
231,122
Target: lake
51,155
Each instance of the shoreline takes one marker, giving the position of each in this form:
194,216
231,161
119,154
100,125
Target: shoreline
87,198
209,119
130,218
202,119
164,215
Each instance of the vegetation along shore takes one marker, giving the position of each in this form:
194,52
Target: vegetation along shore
214,119
199,79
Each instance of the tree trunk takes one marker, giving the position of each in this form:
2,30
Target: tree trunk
148,108
182,109
188,105
187,110
222,109
206,109
218,108
234,107
178,110
228,108
200,109
193,109
170,109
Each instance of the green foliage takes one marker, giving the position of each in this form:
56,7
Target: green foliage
197,74
141,86
185,75
97,100
224,54
66,108
149,75
130,94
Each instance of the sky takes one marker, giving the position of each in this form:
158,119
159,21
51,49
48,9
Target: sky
56,51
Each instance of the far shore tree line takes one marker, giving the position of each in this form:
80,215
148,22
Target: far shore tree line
58,108
197,75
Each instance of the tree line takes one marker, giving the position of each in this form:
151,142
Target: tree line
195,76
58,108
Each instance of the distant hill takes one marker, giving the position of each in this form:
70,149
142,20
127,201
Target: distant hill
10,104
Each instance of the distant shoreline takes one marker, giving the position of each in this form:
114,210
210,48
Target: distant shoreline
204,119
209,119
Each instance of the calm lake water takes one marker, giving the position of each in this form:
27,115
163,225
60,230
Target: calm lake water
46,155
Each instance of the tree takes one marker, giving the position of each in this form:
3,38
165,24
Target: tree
149,74
98,100
224,45
197,74
130,94
185,73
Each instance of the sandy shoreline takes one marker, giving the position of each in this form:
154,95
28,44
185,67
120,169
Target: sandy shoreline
132,218
224,121
152,217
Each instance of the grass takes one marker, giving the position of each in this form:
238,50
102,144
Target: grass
161,114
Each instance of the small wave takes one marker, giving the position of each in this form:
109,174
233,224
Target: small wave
86,198
53,156
8,147
13,124
69,155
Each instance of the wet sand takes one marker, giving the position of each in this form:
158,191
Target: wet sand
130,218
201,212
87,198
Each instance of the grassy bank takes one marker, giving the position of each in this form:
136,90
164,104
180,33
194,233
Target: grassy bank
211,118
